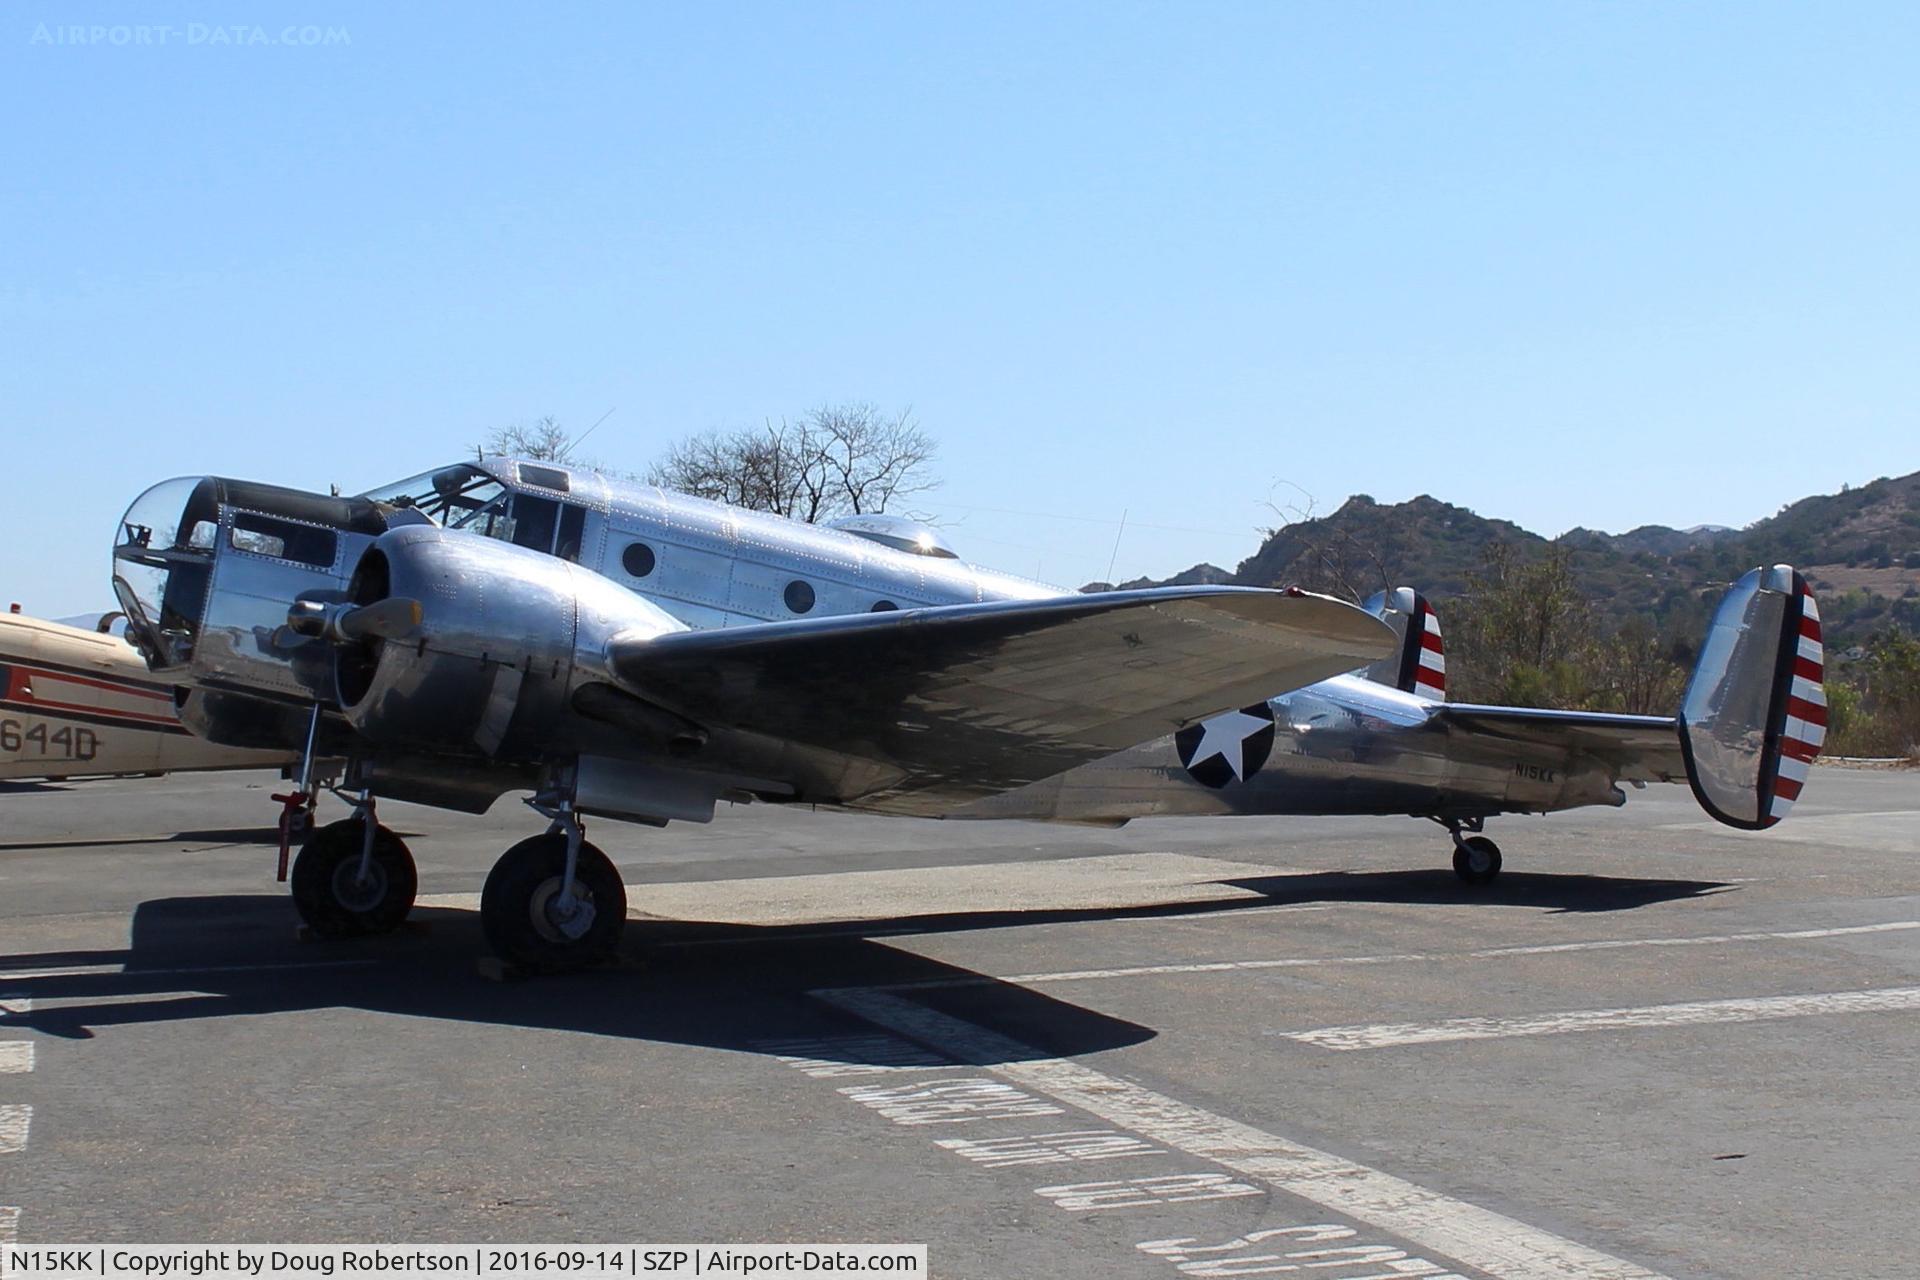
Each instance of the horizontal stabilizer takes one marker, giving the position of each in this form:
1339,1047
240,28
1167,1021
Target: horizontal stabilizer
1632,748
950,703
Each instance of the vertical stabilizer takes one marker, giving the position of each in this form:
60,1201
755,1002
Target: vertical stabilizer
1755,714
1420,664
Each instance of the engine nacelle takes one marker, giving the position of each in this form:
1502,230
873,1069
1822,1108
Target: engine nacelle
505,635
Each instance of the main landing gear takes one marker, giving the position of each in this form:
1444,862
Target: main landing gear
1476,859
554,902
354,877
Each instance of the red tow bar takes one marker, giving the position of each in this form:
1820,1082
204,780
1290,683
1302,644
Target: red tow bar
292,806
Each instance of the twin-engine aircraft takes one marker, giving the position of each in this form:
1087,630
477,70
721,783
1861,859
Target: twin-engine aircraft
621,650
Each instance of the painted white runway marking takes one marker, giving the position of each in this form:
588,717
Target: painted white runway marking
1253,1254
14,1121
1463,1232
118,971
949,1101
1402,957
1049,1148
824,1057
16,1057
1693,1013
1140,1193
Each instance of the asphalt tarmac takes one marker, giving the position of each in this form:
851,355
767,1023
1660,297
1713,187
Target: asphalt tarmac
1204,1047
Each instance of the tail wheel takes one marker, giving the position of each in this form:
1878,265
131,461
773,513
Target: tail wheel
1476,860
529,922
335,900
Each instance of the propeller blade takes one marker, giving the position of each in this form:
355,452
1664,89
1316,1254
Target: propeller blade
394,619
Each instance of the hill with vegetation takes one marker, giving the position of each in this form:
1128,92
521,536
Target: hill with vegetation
1613,621
1860,549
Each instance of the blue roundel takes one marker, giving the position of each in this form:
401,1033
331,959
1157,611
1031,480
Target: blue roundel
1229,747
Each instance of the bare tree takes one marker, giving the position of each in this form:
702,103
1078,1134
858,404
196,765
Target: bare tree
760,468
870,459
836,460
1333,559
543,440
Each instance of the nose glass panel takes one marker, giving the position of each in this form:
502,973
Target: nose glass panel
162,562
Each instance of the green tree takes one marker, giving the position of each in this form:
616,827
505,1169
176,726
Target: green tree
1524,631
1893,686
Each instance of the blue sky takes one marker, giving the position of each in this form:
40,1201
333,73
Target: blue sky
1566,264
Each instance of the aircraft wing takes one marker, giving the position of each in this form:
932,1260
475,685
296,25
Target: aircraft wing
1635,748
938,705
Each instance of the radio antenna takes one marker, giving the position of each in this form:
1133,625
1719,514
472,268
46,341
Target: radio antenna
1114,559
584,434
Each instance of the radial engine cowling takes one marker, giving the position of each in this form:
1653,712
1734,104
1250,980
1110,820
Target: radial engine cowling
504,636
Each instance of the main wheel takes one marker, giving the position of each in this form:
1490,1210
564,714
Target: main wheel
528,924
1476,860
334,900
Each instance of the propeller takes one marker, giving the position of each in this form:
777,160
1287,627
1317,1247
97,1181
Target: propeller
396,618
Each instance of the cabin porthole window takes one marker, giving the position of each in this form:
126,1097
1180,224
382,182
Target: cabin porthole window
638,559
799,596
884,606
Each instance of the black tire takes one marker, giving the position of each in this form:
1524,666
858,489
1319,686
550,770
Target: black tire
514,906
1476,860
325,891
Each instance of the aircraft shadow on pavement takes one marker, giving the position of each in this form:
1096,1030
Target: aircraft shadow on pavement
238,956
1547,890
219,835
723,985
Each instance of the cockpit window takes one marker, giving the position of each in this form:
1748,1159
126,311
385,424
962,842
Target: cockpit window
546,477
283,539
456,497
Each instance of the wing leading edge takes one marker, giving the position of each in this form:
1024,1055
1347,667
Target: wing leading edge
919,710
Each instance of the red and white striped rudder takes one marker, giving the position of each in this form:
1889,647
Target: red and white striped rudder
1755,714
1803,728
1430,657
1419,666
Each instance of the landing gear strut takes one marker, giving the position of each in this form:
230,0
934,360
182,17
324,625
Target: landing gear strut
1476,859
554,902
354,877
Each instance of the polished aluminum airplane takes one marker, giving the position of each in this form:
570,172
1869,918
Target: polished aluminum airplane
621,650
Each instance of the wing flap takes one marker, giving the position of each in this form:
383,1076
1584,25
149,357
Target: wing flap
951,703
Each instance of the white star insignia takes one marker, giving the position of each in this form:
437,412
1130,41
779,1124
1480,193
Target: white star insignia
1225,736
